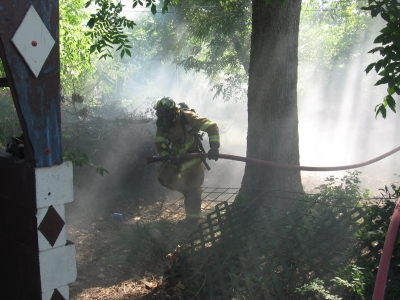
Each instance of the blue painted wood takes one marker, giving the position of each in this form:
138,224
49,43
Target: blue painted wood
37,100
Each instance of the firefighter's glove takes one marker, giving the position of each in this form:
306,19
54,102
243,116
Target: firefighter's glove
213,153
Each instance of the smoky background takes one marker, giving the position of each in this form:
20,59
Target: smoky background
337,126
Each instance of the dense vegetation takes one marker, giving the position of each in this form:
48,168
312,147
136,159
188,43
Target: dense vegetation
358,276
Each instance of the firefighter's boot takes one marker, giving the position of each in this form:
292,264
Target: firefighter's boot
192,208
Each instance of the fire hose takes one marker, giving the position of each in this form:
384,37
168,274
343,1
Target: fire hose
171,158
384,263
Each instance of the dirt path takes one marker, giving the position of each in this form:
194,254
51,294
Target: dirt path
121,257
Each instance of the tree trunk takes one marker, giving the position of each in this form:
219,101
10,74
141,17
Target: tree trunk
272,96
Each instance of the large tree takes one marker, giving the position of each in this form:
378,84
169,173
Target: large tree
272,95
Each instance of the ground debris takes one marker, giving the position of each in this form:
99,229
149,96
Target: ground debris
108,266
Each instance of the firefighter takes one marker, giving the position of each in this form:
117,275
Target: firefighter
178,133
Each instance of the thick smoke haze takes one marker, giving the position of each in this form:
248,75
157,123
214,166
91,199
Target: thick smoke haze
337,124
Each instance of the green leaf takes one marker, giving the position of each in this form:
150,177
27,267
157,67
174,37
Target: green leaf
383,80
396,42
391,103
153,9
386,16
380,109
91,22
92,48
379,39
375,12
85,157
369,68
376,49
378,65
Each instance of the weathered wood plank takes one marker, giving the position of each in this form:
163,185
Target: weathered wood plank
37,100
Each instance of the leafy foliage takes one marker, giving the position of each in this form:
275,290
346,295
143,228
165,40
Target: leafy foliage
373,232
107,29
332,35
338,26
205,36
354,279
213,36
388,67
332,198
75,62
153,5
9,123
219,39
345,188
359,276
108,26
79,159
2,72
350,277
316,287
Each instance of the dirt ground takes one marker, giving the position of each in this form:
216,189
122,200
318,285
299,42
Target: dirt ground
118,256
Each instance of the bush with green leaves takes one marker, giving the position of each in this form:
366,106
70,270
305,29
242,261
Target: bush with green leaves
358,278
372,235
9,123
347,187
79,158
351,278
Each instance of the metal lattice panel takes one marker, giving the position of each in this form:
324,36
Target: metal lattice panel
266,247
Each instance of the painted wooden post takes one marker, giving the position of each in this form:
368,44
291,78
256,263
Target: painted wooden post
29,38
36,261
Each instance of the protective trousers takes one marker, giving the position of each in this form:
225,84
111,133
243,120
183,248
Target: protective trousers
188,182
193,203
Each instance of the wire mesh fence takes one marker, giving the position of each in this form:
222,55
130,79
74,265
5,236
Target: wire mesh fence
174,208
261,247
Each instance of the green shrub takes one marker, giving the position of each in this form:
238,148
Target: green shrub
358,278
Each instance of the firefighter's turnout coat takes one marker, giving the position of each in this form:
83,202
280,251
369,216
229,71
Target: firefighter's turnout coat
181,139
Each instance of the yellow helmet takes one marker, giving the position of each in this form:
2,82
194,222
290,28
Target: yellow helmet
166,111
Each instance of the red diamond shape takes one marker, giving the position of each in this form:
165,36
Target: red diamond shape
51,225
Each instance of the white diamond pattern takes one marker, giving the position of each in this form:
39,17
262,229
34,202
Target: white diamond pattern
33,41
